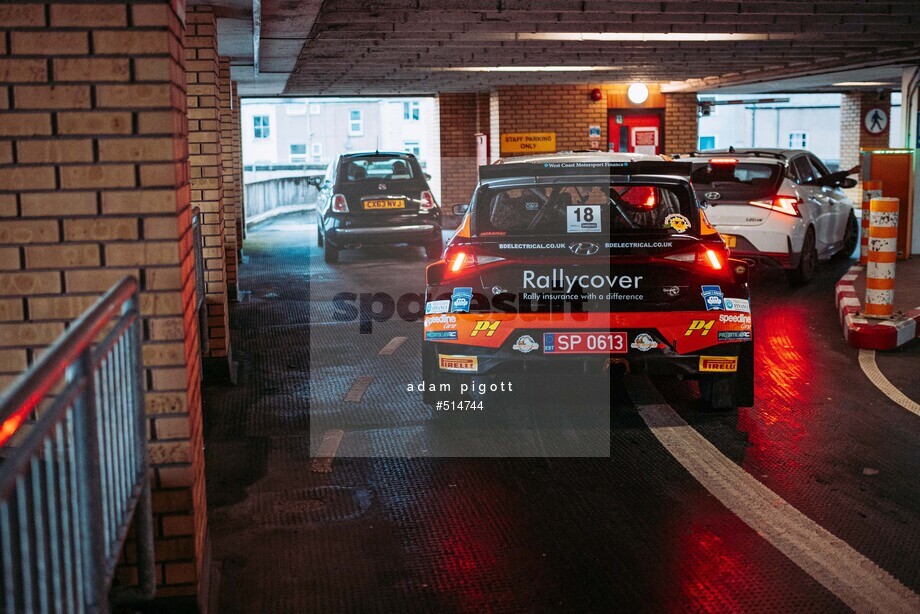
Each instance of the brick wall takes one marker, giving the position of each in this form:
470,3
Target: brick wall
93,186
459,173
228,176
681,123
206,169
853,135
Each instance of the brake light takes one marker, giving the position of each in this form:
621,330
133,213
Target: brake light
460,261
783,204
427,201
339,204
723,161
456,263
714,260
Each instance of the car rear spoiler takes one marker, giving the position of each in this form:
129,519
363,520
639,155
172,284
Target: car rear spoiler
563,169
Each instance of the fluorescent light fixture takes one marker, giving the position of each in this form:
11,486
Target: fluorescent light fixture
703,37
861,83
527,68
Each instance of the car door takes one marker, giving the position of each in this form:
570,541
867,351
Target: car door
816,199
837,198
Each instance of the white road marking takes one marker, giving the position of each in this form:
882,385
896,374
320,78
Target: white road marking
392,346
357,390
853,578
867,362
322,462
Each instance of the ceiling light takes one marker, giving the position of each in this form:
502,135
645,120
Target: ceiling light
527,68
637,93
706,37
861,83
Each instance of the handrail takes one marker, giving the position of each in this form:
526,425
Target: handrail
73,480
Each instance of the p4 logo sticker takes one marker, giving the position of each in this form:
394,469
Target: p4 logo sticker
704,326
485,326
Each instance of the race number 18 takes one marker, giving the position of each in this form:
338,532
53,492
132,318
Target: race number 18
583,218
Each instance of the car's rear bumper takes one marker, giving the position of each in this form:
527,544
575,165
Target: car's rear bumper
403,233
780,254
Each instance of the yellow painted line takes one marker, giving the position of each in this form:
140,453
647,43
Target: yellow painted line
854,579
357,390
875,375
392,346
322,462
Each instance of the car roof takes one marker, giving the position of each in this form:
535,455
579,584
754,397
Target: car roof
760,153
580,156
361,154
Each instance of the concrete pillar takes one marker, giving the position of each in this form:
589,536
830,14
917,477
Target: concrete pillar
854,136
230,201
206,172
681,123
94,186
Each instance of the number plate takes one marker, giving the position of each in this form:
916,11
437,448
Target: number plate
584,343
385,204
730,240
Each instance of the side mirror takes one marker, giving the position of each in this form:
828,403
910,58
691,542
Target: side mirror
427,176
460,209
316,181
838,180
848,182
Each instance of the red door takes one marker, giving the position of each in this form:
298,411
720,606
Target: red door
634,132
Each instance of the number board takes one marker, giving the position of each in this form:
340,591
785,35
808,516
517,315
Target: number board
583,218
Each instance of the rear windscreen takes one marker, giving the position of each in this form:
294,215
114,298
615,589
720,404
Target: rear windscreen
576,208
743,181
376,168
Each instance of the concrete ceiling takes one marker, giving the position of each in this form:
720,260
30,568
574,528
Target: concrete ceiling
381,47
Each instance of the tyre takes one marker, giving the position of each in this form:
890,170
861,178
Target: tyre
808,262
330,252
850,237
732,390
434,249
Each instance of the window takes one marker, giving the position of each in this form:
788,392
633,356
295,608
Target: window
377,167
411,111
798,140
804,171
706,142
260,126
355,122
315,109
316,150
412,147
298,153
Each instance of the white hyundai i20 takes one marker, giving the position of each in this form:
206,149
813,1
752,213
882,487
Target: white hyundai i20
777,207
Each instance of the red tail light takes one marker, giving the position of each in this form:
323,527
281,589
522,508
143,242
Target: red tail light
427,201
783,204
339,204
723,161
701,256
463,261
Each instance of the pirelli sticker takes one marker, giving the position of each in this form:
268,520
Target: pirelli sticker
718,364
448,362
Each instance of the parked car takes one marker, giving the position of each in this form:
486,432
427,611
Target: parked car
778,207
374,198
580,264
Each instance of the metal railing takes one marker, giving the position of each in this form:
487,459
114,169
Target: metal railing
200,307
72,478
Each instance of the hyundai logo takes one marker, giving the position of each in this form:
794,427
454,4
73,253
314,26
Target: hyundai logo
712,195
584,248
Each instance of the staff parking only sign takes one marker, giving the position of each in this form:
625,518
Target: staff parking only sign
528,142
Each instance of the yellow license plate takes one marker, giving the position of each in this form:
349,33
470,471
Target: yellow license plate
385,204
730,240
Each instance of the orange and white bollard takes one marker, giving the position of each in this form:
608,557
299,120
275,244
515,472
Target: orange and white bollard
883,250
872,188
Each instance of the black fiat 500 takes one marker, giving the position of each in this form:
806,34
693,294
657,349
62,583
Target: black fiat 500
377,198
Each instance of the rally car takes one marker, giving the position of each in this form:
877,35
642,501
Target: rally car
598,265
